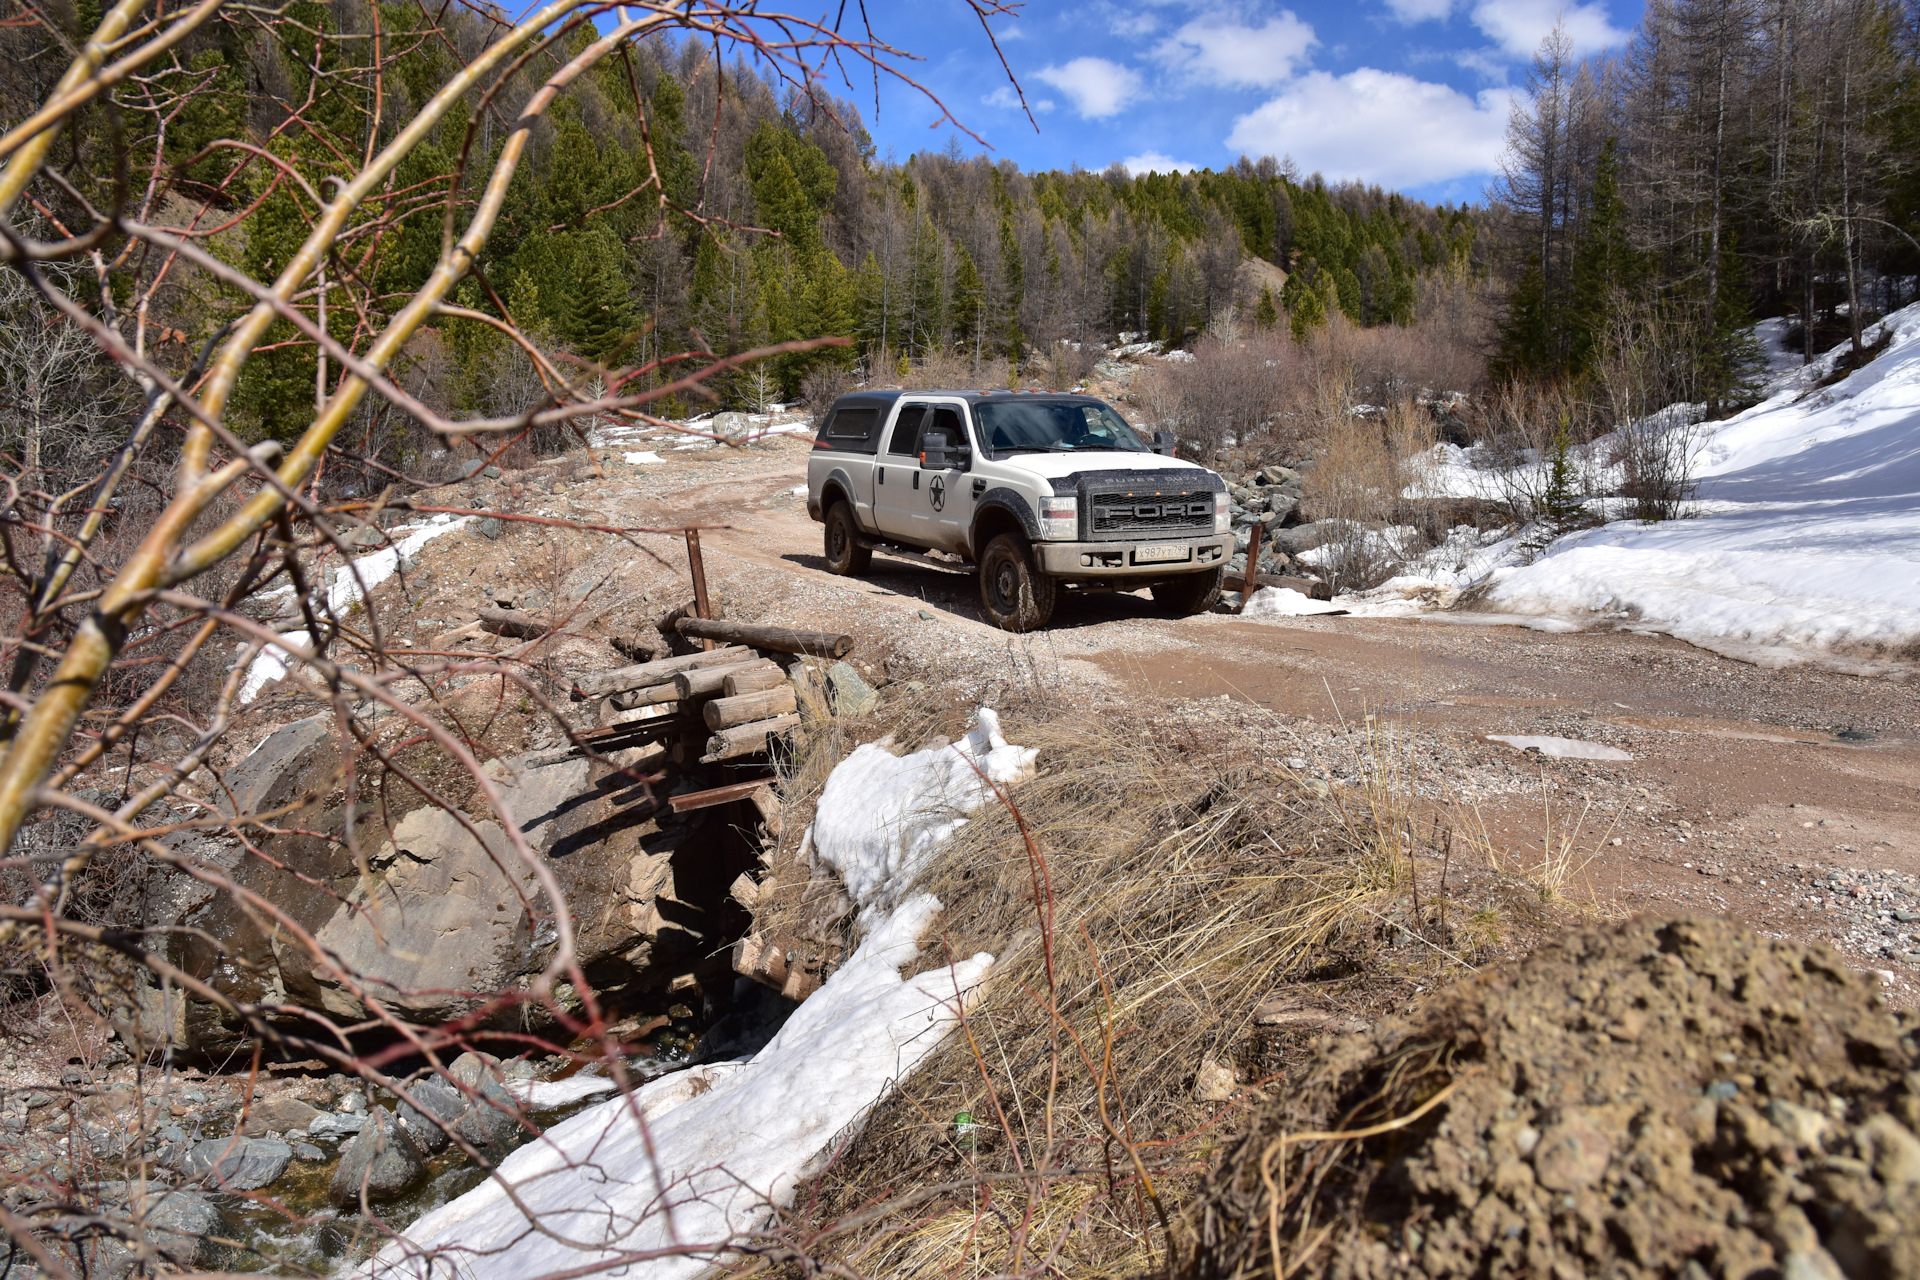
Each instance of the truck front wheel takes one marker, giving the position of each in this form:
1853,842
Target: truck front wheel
1190,593
845,555
1014,593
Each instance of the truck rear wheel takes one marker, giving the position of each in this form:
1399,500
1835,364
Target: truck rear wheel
1014,593
845,555
1190,593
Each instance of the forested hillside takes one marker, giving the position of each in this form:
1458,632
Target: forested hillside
670,202
1738,159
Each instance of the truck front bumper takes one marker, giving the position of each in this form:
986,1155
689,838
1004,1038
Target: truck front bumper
1124,559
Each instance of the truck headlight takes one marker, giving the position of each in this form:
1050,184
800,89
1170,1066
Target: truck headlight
1222,517
1060,518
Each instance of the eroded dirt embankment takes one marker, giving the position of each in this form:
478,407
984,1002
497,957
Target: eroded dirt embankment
1665,1098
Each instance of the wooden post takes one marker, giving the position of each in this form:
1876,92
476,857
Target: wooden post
699,568
1253,565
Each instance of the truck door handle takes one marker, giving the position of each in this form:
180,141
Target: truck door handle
880,475
916,479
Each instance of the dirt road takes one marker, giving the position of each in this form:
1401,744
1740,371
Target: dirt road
1787,798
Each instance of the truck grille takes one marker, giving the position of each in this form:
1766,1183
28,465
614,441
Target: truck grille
1115,516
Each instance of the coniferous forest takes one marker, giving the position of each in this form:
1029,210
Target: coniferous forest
1740,159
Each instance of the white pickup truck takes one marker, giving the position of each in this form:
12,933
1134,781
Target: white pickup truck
1038,491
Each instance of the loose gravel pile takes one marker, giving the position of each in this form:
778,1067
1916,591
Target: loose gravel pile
1872,913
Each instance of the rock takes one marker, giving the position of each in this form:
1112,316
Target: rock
489,528
483,1121
1279,506
277,1115
434,1100
1803,1125
178,1224
490,473
923,614
238,1164
380,1162
332,1126
307,1153
1214,1082
426,930
1302,537
1892,1150
851,696
1277,475
1572,1154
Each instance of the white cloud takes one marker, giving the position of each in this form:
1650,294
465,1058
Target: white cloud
1412,11
1229,52
1097,87
1520,25
1155,162
1043,106
1004,97
1137,24
1378,126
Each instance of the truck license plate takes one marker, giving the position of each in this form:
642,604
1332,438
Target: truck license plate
1162,553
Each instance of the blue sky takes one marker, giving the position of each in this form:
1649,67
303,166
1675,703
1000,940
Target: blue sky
1411,94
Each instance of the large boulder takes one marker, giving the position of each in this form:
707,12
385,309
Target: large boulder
444,918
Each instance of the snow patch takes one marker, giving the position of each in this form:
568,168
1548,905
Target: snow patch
1559,748
641,458
1285,602
545,1094
880,815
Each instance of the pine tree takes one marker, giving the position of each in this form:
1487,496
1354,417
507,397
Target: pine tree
1305,300
969,310
1266,315
1603,262
598,318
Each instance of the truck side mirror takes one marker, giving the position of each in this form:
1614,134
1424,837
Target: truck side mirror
1164,442
933,458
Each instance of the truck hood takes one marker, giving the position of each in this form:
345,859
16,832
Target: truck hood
1055,466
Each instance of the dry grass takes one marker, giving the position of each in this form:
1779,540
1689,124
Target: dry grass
1141,894
1568,846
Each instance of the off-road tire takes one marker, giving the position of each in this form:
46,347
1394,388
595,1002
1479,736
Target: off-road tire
1015,595
1190,593
845,555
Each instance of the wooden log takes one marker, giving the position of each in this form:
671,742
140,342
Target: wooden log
647,674
752,680
818,644
658,695
706,682
724,713
513,622
746,739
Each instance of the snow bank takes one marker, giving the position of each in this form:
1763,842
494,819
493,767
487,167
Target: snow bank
368,570
724,1143
1808,544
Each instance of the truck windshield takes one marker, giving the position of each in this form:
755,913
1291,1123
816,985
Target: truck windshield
1010,426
